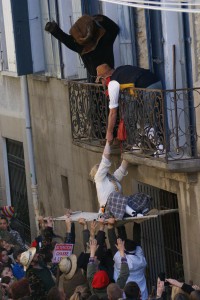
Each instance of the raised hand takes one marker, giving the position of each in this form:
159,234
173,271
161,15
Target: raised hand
93,247
120,247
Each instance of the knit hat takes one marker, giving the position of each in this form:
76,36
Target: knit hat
100,280
87,32
8,211
104,71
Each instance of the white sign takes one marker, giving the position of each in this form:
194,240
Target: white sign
61,250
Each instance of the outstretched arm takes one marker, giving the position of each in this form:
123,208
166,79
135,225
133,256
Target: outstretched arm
124,270
66,39
121,171
111,124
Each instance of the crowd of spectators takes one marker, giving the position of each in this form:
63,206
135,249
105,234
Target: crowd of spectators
98,272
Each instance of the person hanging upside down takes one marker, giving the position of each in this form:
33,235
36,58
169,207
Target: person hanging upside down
109,191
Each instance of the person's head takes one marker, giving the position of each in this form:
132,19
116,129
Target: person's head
175,291
55,294
6,282
82,261
7,211
181,296
100,280
104,71
130,245
17,254
68,266
20,288
132,290
4,244
87,33
93,171
114,292
195,295
4,258
80,293
3,223
6,271
29,257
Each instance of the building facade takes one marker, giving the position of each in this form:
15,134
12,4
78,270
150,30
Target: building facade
47,150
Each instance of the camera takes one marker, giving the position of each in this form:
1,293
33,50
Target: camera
162,278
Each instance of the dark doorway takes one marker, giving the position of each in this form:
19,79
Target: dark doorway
18,188
161,238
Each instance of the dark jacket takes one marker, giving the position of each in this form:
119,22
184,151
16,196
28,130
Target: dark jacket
103,53
141,78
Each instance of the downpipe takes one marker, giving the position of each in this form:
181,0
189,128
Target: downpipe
34,187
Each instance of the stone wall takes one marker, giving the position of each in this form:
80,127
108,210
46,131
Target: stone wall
195,47
141,39
12,126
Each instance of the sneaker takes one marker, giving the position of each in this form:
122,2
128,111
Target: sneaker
139,215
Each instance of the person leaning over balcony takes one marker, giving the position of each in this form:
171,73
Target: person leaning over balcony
113,78
109,191
92,37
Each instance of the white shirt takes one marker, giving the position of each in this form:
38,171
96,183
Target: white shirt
113,92
137,265
103,185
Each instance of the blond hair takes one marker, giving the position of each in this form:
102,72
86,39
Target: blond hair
93,171
176,291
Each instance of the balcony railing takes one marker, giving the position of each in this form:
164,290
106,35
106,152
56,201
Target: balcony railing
159,123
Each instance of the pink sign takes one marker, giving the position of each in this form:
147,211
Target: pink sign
61,250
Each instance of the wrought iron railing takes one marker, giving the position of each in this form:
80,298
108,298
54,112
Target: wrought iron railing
159,123
89,111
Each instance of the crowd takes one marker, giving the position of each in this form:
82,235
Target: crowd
98,272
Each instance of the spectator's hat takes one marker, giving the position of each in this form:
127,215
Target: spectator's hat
68,266
7,211
27,257
103,71
100,280
87,33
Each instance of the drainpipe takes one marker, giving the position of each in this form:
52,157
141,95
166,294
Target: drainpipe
34,187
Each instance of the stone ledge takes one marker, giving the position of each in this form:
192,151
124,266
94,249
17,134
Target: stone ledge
178,166
175,166
95,146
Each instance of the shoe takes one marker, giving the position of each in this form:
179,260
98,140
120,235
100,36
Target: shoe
136,149
139,215
160,151
51,27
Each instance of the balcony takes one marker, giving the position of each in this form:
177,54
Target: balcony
160,124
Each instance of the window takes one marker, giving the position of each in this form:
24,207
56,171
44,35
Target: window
3,53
